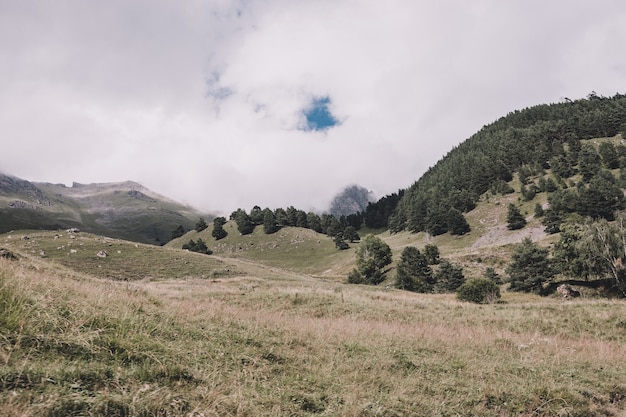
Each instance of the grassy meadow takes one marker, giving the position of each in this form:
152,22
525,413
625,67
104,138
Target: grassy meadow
151,331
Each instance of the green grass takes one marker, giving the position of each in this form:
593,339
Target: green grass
125,261
291,248
267,341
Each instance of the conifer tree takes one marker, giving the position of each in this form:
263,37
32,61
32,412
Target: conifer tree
457,223
178,232
269,222
448,277
373,254
413,272
514,218
530,268
201,225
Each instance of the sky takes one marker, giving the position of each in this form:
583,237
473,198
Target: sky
226,104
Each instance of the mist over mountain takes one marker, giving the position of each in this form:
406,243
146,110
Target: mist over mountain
353,199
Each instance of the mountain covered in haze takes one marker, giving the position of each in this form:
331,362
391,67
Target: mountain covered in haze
126,210
353,199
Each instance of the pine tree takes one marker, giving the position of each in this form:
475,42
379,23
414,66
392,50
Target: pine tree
350,234
530,268
413,272
218,231
244,224
431,251
269,222
314,222
372,255
492,275
448,277
514,218
178,232
201,225
457,223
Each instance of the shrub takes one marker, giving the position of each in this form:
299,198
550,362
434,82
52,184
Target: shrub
199,246
479,290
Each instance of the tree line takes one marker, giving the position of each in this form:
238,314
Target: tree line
342,230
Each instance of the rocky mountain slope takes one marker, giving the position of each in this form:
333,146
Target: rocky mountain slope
126,210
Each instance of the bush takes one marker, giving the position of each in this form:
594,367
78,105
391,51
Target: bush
199,246
479,290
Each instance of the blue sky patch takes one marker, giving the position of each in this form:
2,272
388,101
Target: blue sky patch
318,116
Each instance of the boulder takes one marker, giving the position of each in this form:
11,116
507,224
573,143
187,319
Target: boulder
567,291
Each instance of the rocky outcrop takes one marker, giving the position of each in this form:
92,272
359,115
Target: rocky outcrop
29,195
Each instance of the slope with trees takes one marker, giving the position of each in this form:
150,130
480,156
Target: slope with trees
529,140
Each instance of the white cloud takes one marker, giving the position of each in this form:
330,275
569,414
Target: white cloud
201,100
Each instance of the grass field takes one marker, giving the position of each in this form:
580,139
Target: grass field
151,331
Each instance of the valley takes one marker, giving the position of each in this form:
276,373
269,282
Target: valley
152,330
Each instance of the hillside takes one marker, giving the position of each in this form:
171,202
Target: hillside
153,330
125,210
530,140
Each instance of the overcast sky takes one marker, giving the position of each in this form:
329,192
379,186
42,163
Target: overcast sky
234,103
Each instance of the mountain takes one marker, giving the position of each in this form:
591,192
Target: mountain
125,210
353,199
556,141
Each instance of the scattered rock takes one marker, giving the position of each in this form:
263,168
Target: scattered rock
73,251
18,204
73,230
102,254
25,237
7,254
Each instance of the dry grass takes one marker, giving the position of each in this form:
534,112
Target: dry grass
271,342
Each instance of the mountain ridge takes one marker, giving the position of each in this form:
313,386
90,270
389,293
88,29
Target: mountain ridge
125,209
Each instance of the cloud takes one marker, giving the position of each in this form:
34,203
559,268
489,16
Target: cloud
206,101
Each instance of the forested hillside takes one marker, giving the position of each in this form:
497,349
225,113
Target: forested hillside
528,141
